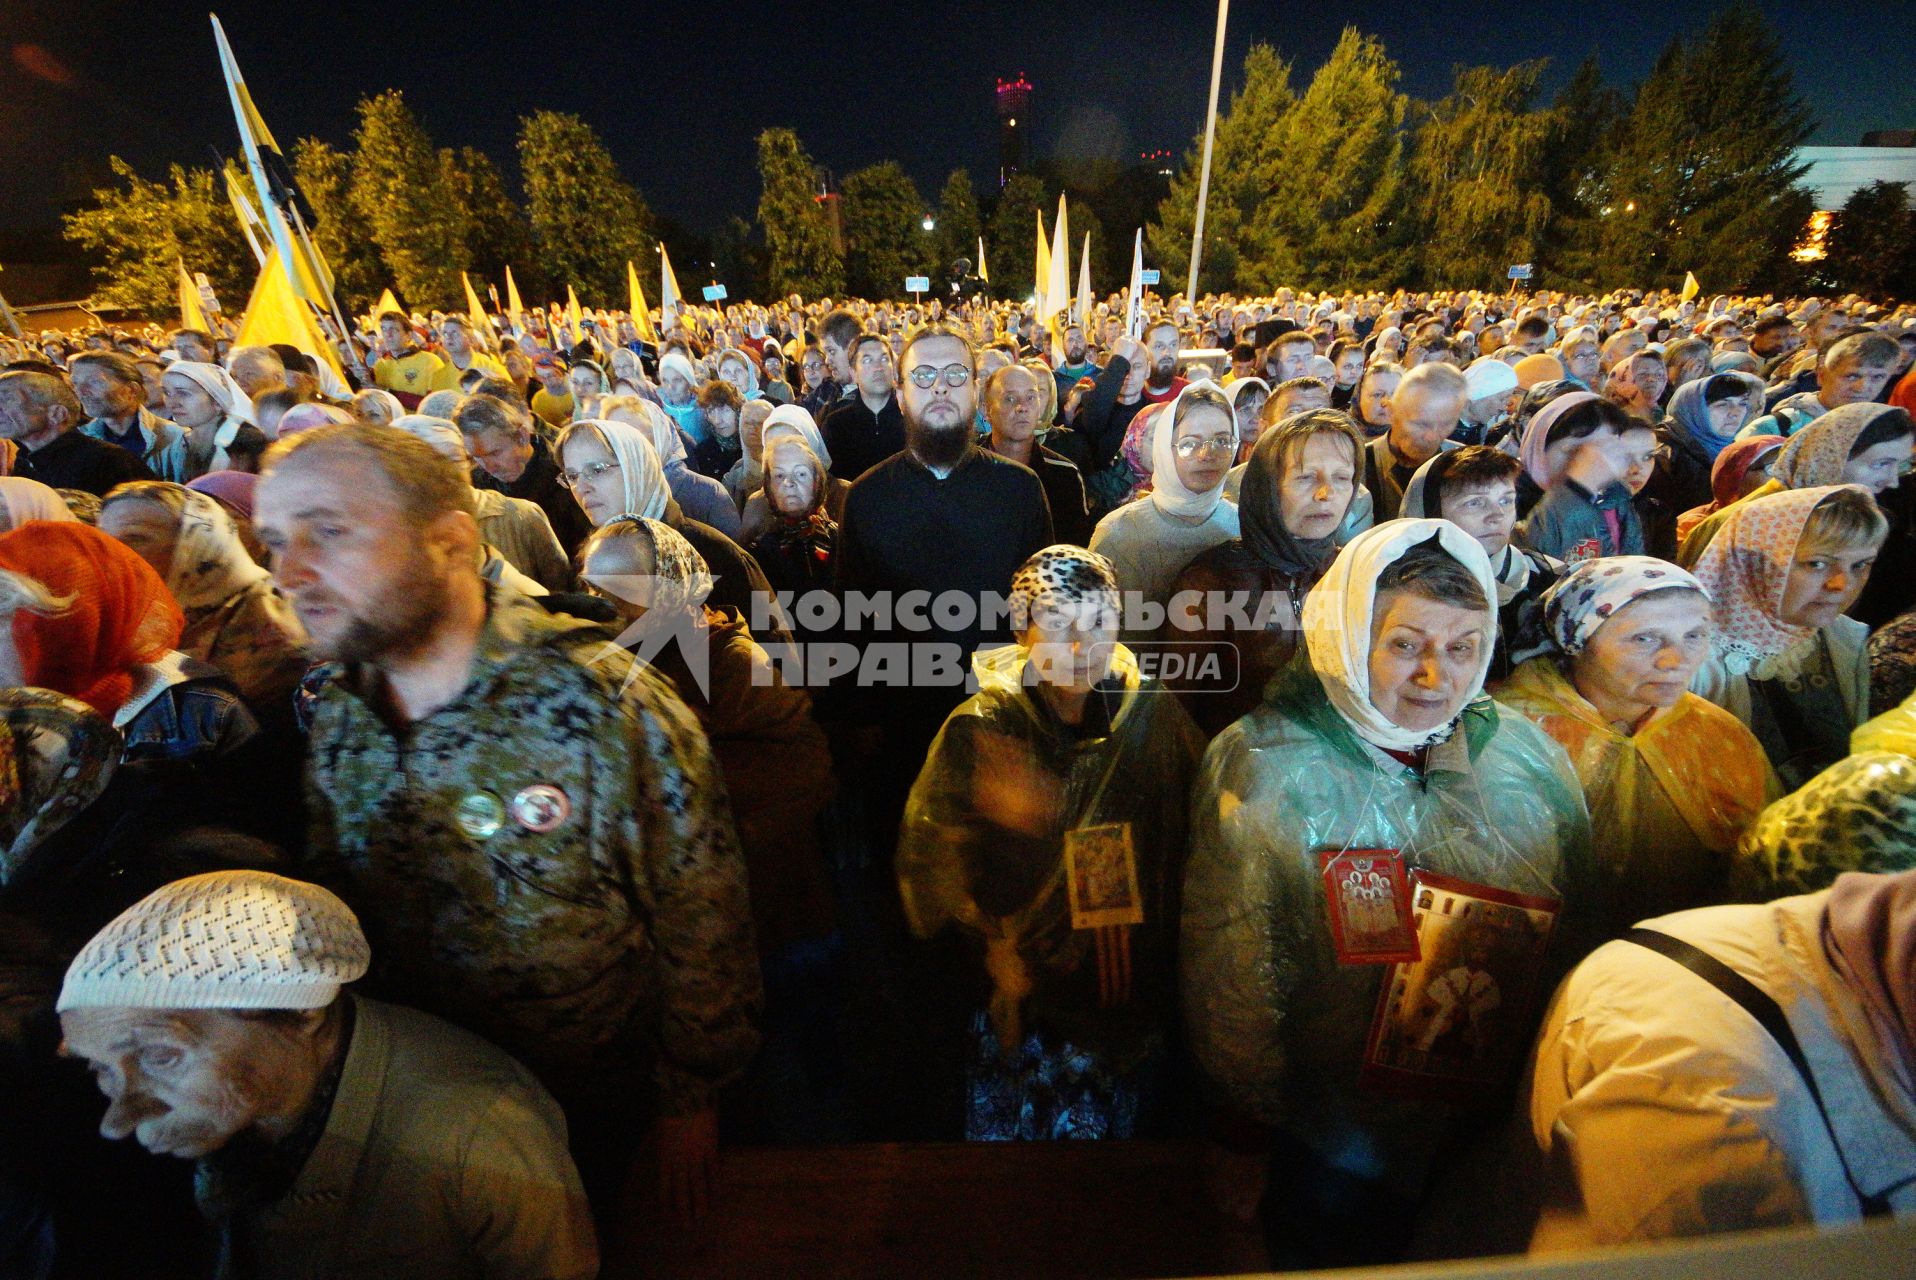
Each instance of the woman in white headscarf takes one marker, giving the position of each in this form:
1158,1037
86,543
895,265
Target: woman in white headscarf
1386,871
205,401
376,405
702,497
1151,539
235,620
613,472
792,422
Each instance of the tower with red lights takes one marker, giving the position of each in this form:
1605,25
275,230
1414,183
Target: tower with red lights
1014,101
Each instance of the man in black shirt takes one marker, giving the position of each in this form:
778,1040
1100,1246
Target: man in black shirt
1013,402
515,461
867,428
40,413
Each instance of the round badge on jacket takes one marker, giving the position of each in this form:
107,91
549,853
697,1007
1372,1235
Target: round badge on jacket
541,807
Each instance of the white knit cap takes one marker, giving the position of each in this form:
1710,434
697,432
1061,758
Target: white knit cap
1489,376
227,940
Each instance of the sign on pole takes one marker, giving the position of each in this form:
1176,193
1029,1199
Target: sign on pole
917,284
1520,271
715,293
1148,276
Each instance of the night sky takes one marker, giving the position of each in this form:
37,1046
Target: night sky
679,96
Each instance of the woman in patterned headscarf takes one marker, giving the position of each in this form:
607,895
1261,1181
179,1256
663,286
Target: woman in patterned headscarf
1047,826
235,620
774,758
1781,573
1675,779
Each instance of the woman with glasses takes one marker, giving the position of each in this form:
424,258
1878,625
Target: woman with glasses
613,471
1149,541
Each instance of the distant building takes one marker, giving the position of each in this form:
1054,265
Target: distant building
1836,173
1014,151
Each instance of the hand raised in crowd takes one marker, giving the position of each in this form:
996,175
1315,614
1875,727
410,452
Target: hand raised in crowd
1131,350
1600,462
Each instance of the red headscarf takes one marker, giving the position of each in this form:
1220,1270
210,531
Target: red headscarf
119,614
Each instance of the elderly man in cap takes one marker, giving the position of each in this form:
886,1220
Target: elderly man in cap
335,1136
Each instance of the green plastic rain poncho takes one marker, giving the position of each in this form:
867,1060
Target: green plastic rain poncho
1670,798
1280,1026
1006,789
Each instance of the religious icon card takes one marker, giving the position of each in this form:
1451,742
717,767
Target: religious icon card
1101,876
1367,894
1455,1019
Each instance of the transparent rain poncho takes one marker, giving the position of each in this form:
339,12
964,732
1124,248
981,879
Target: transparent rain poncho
1281,1027
1670,801
1005,789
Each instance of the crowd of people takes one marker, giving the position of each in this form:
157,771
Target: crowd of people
449,782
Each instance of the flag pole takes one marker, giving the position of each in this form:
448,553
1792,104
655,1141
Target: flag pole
1210,133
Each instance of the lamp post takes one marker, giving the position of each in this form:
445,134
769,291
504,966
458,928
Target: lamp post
1210,132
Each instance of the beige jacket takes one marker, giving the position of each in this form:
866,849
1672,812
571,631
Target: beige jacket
443,1159
1665,1110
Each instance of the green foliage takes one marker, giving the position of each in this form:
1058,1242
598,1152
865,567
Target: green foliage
1701,175
802,254
959,225
344,239
401,193
1014,235
135,234
1243,153
1477,174
1332,208
497,235
1871,243
587,220
885,238
738,257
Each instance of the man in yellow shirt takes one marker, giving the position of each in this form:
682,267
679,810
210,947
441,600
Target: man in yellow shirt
552,402
455,335
406,369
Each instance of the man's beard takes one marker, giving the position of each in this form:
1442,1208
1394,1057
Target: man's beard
1163,371
938,446
399,621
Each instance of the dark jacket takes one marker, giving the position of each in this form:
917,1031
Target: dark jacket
1099,429
76,461
1568,523
860,439
739,584
1064,494
539,484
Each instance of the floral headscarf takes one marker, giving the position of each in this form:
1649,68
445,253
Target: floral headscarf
1746,567
210,563
1817,454
1579,603
679,582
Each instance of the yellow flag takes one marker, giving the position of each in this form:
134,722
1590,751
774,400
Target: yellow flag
982,273
192,314
275,314
641,318
387,303
573,316
1044,261
1690,286
481,324
515,309
669,295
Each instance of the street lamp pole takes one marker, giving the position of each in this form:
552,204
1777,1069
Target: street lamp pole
1210,132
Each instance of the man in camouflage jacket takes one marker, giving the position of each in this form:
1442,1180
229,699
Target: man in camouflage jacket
529,823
